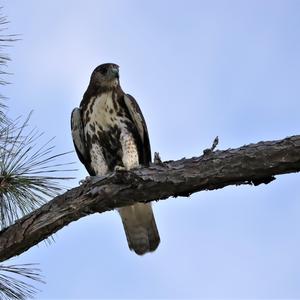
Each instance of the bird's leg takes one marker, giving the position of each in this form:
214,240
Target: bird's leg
130,156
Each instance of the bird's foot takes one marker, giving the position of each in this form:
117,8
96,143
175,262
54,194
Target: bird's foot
85,180
119,168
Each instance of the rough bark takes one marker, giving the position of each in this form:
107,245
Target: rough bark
251,164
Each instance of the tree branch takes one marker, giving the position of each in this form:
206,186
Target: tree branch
251,164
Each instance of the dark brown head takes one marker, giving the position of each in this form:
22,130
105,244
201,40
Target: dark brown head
106,76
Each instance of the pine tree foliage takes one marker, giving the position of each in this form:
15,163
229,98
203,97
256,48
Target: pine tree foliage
15,281
30,174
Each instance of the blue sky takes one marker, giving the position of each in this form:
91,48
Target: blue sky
198,69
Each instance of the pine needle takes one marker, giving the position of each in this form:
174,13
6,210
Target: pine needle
18,287
29,174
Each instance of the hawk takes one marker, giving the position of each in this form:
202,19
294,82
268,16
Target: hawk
109,132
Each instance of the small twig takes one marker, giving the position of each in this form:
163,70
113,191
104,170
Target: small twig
212,148
215,143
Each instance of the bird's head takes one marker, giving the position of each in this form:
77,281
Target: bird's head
106,76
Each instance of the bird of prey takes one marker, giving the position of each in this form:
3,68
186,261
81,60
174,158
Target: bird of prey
109,132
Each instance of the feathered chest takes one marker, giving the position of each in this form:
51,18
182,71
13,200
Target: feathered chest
106,128
104,113
106,123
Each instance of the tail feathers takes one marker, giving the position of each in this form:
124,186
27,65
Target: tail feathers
140,228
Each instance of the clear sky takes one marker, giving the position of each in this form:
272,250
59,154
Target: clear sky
198,69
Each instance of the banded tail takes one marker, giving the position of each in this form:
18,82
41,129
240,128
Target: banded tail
140,227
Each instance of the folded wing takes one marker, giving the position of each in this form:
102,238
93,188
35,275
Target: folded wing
139,121
79,139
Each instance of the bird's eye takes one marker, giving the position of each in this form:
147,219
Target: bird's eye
102,71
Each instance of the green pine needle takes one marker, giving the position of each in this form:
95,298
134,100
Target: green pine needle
27,179
29,174
15,287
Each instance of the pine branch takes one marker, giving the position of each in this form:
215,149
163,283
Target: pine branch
23,184
28,176
15,287
252,164
25,172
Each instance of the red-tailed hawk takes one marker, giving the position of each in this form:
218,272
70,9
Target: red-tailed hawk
109,132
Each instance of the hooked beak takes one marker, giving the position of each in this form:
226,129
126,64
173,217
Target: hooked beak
114,72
